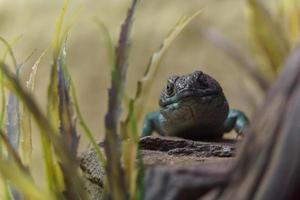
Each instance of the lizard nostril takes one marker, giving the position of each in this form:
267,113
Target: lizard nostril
190,86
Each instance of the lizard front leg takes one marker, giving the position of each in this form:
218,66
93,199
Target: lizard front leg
236,120
151,123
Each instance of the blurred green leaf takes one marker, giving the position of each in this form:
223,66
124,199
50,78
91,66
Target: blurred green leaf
108,43
12,44
31,81
66,115
230,49
22,65
130,154
88,133
50,134
118,189
10,51
13,122
12,152
52,108
290,15
270,38
60,112
22,181
5,189
26,136
57,40
11,141
46,130
54,181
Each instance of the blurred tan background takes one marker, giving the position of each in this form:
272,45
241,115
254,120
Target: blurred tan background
87,59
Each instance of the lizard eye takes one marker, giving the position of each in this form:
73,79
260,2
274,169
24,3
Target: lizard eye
201,79
198,75
170,89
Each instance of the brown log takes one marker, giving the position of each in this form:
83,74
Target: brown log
268,166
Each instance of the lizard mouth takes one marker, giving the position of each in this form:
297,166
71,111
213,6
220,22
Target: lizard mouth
187,93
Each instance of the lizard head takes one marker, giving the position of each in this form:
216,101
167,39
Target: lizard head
196,85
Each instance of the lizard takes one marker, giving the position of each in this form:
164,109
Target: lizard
193,106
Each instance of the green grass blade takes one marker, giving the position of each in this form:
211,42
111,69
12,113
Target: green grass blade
272,48
88,133
16,87
22,181
52,108
46,128
9,48
53,179
70,23
11,151
108,43
3,97
13,122
66,115
11,140
56,44
73,184
5,189
130,154
26,136
31,81
12,44
22,65
115,174
67,121
109,46
82,122
52,103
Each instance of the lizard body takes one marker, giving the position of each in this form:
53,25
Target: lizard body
193,106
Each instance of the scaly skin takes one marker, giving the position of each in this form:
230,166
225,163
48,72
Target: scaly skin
193,106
